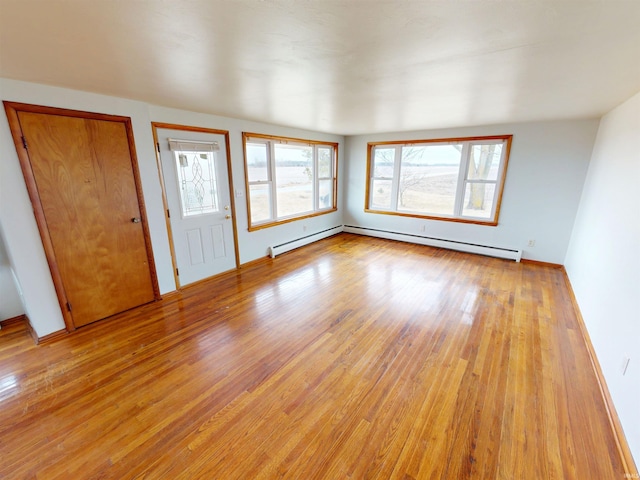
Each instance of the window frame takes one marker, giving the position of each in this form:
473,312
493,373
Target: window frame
271,183
461,182
178,148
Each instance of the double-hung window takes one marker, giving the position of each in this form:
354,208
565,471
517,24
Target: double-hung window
288,178
457,179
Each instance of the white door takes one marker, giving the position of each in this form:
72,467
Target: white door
194,166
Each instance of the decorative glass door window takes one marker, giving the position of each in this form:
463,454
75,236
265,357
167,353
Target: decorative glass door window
196,175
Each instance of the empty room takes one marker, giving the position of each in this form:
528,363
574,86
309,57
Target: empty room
319,239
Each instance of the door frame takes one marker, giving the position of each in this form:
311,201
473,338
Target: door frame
155,126
12,109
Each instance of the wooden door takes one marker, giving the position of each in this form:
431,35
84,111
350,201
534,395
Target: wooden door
83,181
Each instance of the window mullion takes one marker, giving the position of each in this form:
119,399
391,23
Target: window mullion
395,185
272,173
334,178
316,180
372,176
501,173
462,177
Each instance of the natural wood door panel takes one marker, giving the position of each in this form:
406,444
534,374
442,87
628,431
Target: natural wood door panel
85,183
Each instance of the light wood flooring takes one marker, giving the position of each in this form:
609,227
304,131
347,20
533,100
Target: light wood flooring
351,358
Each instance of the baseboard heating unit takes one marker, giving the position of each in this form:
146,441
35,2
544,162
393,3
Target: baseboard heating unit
499,252
300,242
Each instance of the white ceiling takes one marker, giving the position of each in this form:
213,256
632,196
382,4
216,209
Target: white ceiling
337,66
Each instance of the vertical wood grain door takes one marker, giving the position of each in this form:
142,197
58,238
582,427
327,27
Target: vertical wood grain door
198,195
83,182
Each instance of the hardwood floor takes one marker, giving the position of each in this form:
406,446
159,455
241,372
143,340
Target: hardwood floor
351,358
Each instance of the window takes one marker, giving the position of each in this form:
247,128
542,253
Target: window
457,179
288,178
196,175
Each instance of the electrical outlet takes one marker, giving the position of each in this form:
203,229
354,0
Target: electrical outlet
532,243
625,364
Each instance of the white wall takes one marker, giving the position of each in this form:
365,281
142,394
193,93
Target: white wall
603,259
546,171
10,298
22,240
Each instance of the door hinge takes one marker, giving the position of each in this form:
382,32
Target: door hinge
68,306
168,213
177,272
24,143
158,146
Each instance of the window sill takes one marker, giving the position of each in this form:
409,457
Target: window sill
486,223
261,226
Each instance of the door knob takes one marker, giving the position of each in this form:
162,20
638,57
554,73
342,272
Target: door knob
135,220
227,217
226,207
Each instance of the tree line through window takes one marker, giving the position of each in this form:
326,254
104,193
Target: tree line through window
451,179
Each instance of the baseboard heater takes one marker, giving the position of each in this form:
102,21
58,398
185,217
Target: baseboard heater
300,242
508,253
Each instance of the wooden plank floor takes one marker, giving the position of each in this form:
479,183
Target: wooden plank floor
351,358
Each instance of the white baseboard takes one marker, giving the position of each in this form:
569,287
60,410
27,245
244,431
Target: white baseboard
491,251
